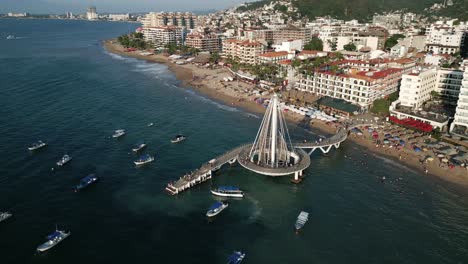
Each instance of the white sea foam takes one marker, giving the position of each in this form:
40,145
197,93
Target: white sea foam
394,163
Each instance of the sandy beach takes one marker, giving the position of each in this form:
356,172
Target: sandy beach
210,83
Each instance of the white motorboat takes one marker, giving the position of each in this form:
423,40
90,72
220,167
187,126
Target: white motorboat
5,215
52,240
216,208
144,160
228,191
178,138
64,160
301,220
139,146
118,133
37,145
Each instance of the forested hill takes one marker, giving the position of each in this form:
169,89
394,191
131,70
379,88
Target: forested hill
352,9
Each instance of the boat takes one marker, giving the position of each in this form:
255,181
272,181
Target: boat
4,216
301,220
228,191
64,160
144,159
150,125
10,37
139,146
216,208
37,145
53,239
86,181
236,257
118,133
178,138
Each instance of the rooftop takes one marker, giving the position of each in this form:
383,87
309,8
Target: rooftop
274,54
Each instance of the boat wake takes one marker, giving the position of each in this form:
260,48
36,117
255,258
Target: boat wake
257,209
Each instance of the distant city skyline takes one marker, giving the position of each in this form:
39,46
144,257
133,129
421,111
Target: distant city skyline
112,6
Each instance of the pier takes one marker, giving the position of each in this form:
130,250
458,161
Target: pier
205,172
242,155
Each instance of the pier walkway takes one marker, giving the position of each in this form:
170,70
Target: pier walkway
205,172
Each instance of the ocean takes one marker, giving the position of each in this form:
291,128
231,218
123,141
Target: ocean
59,85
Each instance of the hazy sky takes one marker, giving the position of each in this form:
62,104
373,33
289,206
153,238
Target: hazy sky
79,6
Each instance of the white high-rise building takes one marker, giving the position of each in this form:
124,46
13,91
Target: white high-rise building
445,38
164,35
416,87
460,123
91,14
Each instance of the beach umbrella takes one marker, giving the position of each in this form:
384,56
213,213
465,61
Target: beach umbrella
445,160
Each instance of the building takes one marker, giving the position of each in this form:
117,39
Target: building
273,57
245,51
204,41
416,87
449,84
338,42
153,19
388,21
91,14
289,46
164,35
460,122
277,36
69,15
119,17
360,88
17,14
444,38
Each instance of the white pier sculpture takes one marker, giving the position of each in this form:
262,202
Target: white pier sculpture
272,152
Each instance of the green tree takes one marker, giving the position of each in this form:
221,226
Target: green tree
350,47
393,40
214,57
314,44
171,48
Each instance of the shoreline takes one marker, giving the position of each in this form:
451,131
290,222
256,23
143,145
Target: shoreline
207,82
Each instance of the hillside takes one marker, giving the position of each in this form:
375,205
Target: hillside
458,10
351,9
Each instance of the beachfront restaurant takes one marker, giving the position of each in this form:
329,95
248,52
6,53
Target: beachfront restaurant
433,119
337,107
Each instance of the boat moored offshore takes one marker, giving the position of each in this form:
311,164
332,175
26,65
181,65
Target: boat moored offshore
301,220
37,145
139,146
52,240
64,160
228,191
236,257
216,208
86,181
144,160
178,138
118,133
5,215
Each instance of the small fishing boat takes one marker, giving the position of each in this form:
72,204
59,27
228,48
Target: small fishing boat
150,125
37,145
178,138
64,160
118,133
228,191
86,181
52,240
139,146
301,220
4,216
10,37
216,208
236,257
144,159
